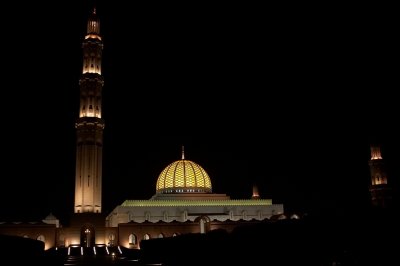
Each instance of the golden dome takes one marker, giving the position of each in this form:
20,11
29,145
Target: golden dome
183,176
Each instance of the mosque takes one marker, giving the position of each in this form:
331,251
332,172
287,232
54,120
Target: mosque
183,203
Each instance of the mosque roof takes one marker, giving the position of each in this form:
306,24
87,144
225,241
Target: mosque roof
186,203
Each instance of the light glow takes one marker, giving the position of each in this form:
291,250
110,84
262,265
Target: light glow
93,36
380,180
75,241
91,69
183,176
376,153
255,195
90,112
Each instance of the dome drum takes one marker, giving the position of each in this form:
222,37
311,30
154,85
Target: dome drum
184,190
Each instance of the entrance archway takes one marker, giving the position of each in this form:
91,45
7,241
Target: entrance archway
204,222
88,236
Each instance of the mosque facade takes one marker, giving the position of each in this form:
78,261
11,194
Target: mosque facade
183,203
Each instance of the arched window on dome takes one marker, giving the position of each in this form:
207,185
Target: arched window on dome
146,237
132,239
160,235
175,234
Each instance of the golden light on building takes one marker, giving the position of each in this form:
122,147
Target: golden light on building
183,176
92,46
90,111
93,36
379,180
376,153
255,195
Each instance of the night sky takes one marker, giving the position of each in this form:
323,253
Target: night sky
288,98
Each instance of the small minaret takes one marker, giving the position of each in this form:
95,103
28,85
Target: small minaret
379,189
89,126
255,195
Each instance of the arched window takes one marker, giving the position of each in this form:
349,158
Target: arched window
146,237
294,216
244,215
282,217
132,239
148,216
41,238
174,234
160,235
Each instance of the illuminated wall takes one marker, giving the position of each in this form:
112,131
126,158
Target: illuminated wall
37,231
182,213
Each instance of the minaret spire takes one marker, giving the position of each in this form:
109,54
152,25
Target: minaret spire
93,25
379,188
255,195
89,126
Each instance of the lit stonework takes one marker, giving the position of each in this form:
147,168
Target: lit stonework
92,46
183,202
375,153
181,198
379,188
89,125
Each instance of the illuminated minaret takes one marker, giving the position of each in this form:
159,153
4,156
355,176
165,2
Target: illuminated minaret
380,190
89,126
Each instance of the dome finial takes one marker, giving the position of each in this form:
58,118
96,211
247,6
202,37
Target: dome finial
183,152
94,10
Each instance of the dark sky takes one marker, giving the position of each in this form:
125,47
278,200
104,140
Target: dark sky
287,97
